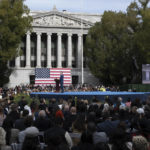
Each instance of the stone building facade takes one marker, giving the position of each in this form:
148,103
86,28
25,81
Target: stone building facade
57,41
146,73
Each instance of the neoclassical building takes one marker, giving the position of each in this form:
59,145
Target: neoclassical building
57,41
146,73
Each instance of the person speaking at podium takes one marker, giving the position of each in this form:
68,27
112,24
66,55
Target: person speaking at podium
61,82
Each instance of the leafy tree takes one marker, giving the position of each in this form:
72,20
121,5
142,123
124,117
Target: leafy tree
14,23
117,46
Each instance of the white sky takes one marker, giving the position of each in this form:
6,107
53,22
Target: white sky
89,6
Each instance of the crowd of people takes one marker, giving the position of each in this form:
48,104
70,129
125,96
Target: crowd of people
72,124
26,89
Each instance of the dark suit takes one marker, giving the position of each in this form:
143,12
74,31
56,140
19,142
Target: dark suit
62,82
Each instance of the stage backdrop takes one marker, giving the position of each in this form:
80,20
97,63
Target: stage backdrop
47,76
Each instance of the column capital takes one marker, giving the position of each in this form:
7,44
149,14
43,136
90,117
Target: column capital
59,34
38,33
69,34
28,33
80,34
49,33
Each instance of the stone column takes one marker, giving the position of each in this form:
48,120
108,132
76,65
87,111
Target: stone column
59,50
79,51
38,49
17,60
49,46
147,75
28,50
69,52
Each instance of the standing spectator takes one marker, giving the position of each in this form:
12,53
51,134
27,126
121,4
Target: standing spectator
22,103
140,143
57,136
19,123
42,122
3,145
2,116
31,140
42,105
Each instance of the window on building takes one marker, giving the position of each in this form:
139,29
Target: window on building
12,63
22,63
74,50
23,54
33,63
84,64
43,63
32,79
75,80
33,51
143,75
43,50
54,49
74,64
64,47
33,48
44,45
64,64
23,51
23,47
54,64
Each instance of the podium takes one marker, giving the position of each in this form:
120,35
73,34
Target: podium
57,81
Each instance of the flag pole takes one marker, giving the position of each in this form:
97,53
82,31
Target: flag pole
82,57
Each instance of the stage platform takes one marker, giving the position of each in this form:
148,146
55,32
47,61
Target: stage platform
90,95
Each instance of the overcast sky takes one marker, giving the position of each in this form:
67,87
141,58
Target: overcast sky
89,6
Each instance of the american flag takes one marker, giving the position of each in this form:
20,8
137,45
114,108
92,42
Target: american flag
47,76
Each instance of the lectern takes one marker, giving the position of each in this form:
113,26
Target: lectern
57,81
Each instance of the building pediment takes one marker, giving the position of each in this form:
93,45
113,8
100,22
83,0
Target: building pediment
59,19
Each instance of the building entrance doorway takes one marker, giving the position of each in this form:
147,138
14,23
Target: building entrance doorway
32,79
75,80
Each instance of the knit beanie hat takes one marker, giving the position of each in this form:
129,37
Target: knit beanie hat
140,143
2,136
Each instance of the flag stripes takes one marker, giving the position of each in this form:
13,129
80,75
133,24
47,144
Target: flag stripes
47,76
